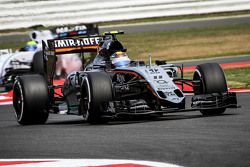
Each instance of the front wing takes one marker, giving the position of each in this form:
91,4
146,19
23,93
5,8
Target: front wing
199,102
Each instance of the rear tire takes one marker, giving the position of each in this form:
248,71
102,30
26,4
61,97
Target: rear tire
95,94
212,80
30,99
38,64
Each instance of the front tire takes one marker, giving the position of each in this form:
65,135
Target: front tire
30,99
212,80
96,92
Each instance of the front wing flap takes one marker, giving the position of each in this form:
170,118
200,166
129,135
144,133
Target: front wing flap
214,100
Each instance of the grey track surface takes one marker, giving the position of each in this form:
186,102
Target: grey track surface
157,26
187,139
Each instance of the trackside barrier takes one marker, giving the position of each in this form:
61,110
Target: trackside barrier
25,13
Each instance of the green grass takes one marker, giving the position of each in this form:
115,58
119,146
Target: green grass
189,43
236,77
195,43
13,45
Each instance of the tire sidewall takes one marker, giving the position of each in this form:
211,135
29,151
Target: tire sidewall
38,63
99,90
212,79
34,100
18,90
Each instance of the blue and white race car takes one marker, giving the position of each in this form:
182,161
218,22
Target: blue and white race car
21,61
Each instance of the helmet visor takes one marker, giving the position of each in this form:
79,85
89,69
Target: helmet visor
120,59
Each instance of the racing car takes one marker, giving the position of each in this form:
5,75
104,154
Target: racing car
112,85
22,61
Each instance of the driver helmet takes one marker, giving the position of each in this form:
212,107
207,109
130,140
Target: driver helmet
30,46
109,47
120,59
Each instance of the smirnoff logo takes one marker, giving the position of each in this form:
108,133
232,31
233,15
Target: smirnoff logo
88,41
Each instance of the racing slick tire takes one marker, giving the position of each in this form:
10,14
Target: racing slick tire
96,92
212,80
30,99
37,66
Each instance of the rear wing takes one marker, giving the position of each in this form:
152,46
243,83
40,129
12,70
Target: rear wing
72,45
63,32
66,46
76,30
78,44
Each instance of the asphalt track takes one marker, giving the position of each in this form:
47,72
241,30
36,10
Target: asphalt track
187,139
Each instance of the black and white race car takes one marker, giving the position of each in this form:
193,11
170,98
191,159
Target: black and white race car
112,85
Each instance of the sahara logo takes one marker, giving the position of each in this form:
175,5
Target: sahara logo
70,29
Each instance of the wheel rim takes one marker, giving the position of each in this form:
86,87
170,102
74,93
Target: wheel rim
197,77
18,100
85,99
